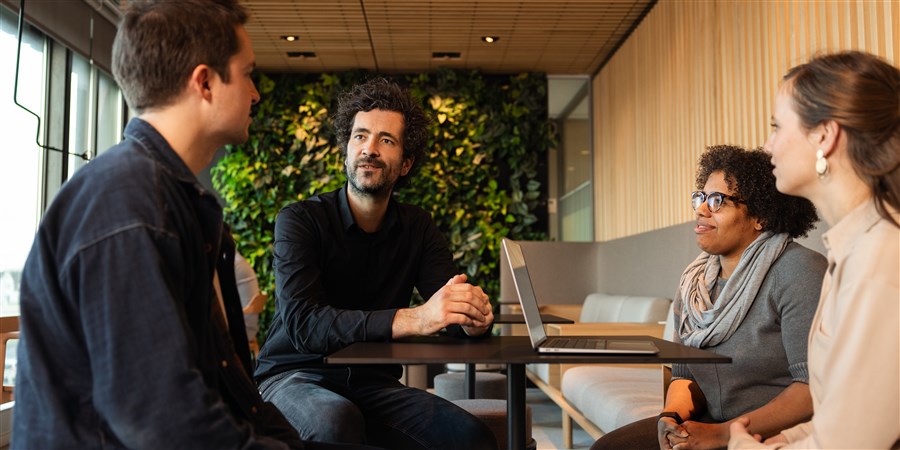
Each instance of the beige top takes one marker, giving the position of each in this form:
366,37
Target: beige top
854,342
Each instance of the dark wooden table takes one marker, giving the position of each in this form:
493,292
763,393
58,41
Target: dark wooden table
469,385
514,352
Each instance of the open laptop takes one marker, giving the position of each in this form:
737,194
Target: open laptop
535,326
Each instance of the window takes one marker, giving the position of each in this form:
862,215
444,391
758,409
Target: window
79,114
109,113
20,171
30,175
95,113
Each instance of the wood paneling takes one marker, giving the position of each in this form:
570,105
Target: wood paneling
700,73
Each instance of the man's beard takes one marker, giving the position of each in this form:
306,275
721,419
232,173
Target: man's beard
380,189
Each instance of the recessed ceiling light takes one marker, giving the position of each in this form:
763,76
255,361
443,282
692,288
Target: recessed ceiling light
291,38
490,39
446,55
302,55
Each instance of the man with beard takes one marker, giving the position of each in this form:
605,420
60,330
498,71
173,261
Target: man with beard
346,263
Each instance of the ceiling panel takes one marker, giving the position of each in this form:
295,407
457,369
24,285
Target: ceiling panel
555,37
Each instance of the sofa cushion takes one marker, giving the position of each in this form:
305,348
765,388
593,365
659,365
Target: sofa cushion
611,397
599,307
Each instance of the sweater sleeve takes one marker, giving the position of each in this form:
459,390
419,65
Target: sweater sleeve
798,285
679,370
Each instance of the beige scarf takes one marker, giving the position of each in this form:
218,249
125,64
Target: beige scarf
705,323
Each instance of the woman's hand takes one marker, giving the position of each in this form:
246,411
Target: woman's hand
739,426
702,436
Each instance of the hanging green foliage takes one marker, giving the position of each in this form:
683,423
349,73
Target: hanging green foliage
481,178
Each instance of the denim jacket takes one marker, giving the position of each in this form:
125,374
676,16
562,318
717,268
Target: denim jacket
123,343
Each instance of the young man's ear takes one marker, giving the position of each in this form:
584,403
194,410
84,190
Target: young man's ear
199,81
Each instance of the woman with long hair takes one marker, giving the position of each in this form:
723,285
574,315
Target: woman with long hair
836,142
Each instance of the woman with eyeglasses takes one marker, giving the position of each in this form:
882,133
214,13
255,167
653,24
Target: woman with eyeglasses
750,295
836,142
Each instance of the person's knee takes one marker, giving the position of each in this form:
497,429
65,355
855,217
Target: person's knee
472,431
612,441
640,435
335,422
601,444
317,413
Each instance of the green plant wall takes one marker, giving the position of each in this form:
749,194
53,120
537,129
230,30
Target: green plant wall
481,179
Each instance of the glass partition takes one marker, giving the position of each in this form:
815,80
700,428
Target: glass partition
572,188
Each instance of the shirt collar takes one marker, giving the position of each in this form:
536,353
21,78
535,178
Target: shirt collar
159,149
348,222
344,209
841,236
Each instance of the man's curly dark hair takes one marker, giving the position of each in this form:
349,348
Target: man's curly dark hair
748,174
380,93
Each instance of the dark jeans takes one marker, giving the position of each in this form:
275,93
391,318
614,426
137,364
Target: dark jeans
307,445
640,435
369,406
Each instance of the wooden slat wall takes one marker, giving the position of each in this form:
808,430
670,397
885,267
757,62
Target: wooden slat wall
699,73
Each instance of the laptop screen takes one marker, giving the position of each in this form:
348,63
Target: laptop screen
525,291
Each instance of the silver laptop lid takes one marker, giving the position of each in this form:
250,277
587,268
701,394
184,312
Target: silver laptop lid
525,291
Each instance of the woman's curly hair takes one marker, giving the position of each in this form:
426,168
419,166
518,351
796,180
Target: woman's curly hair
748,174
379,93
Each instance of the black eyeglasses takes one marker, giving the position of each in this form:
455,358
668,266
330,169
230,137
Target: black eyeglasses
714,200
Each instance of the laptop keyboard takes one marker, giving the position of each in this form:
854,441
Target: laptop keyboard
575,343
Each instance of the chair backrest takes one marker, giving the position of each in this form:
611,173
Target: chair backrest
600,307
9,330
256,304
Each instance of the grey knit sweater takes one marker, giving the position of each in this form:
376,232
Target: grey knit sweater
768,350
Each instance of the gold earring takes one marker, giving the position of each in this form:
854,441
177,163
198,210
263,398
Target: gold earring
821,164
